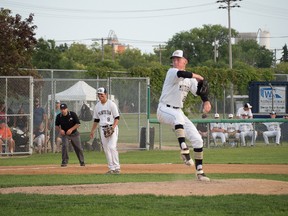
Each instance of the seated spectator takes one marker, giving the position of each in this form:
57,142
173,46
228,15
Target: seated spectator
39,139
203,127
6,137
57,138
246,129
274,130
217,130
21,121
203,130
231,131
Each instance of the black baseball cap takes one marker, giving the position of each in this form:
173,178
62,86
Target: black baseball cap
204,115
63,106
272,113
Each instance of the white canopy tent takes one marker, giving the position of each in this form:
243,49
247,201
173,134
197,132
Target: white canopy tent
75,96
80,91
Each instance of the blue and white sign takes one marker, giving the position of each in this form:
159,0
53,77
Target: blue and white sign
272,98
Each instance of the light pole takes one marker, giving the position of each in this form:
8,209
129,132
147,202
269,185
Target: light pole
272,92
228,7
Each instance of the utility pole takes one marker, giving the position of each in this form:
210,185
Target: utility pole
228,6
215,50
102,45
160,48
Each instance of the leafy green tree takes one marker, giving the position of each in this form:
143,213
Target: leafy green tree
131,57
17,43
282,68
284,57
198,42
249,52
80,56
46,55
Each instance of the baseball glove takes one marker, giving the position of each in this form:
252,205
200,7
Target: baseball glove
203,89
108,131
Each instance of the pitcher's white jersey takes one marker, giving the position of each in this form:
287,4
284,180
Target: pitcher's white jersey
170,93
187,85
106,112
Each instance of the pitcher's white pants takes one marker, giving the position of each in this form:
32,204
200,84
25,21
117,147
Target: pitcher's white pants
110,149
171,116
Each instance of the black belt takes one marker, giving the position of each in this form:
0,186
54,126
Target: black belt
106,126
172,106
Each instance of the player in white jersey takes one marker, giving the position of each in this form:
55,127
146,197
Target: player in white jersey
106,114
231,130
218,130
170,108
247,129
274,130
246,109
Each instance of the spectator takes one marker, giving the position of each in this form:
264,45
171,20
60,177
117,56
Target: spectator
39,139
231,131
39,115
217,130
21,121
203,127
274,130
57,138
245,109
246,129
6,137
3,114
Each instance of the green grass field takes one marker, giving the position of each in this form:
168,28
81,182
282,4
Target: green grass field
21,204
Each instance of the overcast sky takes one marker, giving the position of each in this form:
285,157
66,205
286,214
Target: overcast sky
145,24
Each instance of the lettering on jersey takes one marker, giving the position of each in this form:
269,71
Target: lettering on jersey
104,112
184,88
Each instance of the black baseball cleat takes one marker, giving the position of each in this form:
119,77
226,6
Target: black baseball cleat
82,164
63,165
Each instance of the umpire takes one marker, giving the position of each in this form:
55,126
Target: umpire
67,123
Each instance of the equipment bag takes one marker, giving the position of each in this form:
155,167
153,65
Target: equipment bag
85,114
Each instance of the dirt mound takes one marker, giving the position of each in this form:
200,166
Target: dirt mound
171,188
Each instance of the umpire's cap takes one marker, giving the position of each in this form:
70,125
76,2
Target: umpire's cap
63,106
179,54
101,90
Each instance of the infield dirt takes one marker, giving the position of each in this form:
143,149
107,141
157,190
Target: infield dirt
171,188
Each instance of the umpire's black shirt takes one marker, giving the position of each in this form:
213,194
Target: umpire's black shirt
68,121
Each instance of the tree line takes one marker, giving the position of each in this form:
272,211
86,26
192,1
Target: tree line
207,47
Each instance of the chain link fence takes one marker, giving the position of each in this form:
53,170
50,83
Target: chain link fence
130,95
16,115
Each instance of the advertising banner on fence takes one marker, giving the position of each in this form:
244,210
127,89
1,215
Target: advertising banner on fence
272,98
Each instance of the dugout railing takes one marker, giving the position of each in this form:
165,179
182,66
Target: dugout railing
256,122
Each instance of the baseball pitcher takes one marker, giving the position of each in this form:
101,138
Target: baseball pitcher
171,103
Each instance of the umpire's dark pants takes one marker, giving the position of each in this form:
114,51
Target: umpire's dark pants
76,143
